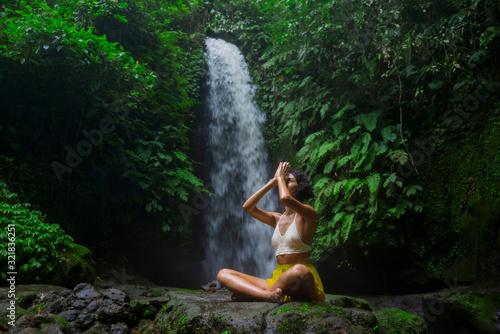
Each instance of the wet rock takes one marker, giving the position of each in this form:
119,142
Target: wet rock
85,320
48,323
212,287
67,302
32,331
48,298
92,307
86,291
117,296
110,313
145,326
120,328
26,299
348,302
158,302
80,304
143,309
99,328
91,311
69,315
66,293
189,312
360,317
55,307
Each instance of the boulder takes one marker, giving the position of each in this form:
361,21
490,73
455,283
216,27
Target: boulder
46,323
117,296
87,292
395,321
469,311
110,313
88,309
76,266
200,312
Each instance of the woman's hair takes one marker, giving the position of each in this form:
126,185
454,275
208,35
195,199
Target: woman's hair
304,189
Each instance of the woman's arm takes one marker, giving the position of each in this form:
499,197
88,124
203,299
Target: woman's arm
250,205
288,200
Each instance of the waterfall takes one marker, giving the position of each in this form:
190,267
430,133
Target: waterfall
238,165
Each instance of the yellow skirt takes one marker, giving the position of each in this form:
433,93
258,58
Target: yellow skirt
320,292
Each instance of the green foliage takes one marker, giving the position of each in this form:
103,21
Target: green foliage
355,88
68,66
37,243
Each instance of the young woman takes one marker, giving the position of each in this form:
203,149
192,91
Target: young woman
295,278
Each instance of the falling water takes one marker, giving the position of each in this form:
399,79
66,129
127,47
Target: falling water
238,167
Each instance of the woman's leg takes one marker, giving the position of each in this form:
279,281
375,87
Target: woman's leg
248,287
297,282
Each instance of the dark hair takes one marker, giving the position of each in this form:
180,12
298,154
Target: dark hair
304,190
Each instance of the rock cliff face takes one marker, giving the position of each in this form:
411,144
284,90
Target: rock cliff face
137,309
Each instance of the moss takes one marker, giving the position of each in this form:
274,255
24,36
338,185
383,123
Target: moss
483,304
280,310
4,320
59,321
76,266
395,321
187,290
461,182
145,326
157,292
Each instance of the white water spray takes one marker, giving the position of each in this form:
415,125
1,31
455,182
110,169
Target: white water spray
238,167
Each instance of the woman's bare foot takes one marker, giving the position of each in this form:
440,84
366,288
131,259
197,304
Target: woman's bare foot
276,296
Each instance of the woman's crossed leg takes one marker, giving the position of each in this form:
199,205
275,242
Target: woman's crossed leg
297,282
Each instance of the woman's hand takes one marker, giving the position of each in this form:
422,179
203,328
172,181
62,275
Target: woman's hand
282,170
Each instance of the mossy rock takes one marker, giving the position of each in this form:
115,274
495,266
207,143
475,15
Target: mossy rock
347,302
190,312
395,321
49,323
4,313
145,326
143,309
75,267
466,311
483,305
296,317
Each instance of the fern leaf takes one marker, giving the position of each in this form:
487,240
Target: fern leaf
338,216
337,128
321,182
373,182
323,110
329,166
338,186
340,113
312,136
325,148
346,226
369,120
343,161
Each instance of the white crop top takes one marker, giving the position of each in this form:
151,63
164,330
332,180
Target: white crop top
290,243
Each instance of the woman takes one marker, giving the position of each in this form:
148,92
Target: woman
295,277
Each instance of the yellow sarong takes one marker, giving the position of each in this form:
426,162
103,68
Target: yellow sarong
320,292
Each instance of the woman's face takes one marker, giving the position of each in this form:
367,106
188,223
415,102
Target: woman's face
291,184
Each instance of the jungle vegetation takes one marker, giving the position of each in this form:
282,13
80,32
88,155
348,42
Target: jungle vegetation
391,107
